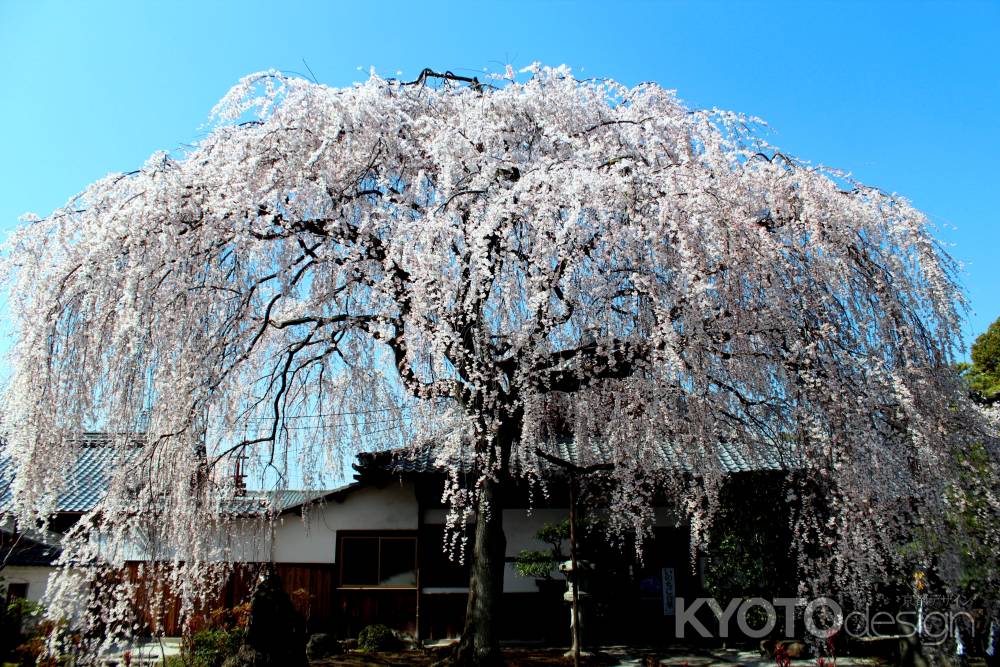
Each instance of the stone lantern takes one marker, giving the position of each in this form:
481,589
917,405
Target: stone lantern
582,578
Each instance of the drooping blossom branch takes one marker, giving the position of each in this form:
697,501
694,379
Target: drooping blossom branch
487,269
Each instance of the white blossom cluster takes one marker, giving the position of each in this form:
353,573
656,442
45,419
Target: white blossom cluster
487,269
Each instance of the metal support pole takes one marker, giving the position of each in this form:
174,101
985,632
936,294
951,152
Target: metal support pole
574,579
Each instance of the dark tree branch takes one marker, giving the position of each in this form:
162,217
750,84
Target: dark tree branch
428,73
597,363
572,467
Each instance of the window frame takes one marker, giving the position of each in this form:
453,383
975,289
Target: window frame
379,535
19,592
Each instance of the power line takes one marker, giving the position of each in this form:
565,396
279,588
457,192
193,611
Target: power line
336,414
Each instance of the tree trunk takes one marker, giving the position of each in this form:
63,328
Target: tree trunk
480,644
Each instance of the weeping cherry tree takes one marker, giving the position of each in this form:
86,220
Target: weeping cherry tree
479,268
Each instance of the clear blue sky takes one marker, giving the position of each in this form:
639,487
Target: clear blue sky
904,95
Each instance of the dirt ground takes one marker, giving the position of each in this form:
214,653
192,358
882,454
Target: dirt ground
515,657
613,656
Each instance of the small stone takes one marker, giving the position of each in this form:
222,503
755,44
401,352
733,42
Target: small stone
322,645
247,656
405,640
795,649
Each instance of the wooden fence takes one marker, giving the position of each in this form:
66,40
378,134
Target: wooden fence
311,587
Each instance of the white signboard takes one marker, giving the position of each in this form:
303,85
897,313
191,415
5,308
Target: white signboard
669,589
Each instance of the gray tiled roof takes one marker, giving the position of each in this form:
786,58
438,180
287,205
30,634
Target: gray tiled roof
24,550
279,500
731,458
87,483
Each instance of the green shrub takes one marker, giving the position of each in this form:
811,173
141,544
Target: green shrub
322,645
209,648
377,638
248,656
537,564
24,631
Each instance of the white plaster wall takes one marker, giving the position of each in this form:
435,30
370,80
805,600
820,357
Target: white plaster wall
393,507
248,541
36,577
292,540
239,540
520,527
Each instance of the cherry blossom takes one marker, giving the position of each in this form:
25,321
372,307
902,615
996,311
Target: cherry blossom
483,268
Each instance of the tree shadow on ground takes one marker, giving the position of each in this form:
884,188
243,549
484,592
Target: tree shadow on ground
513,657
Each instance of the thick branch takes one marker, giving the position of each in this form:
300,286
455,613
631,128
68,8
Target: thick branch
590,364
